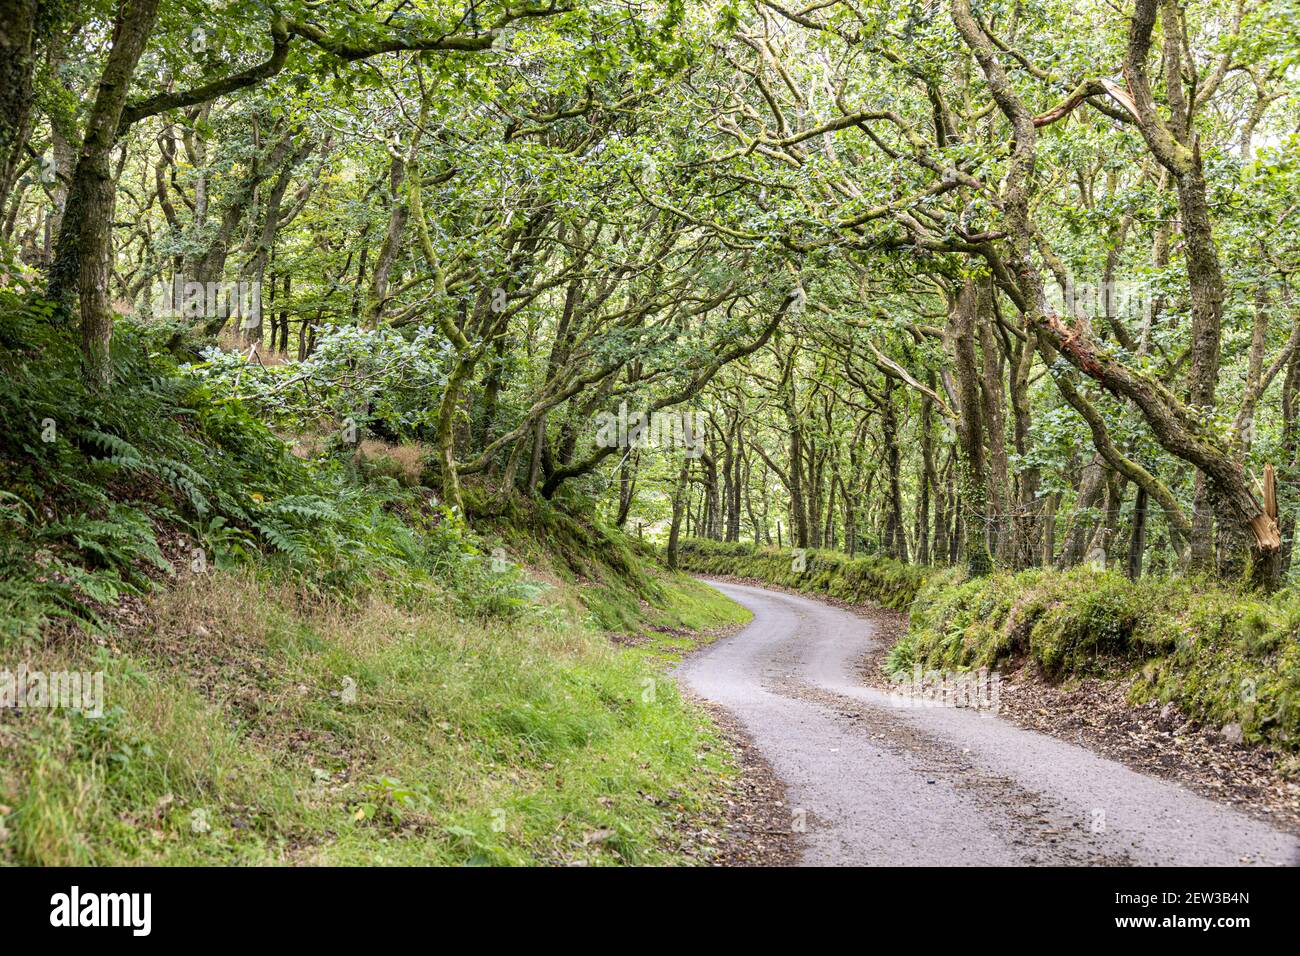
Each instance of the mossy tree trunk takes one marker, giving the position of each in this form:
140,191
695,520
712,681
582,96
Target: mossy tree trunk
17,65
680,491
82,265
972,467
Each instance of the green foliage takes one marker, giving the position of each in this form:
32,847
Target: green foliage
160,475
367,376
456,742
614,580
323,580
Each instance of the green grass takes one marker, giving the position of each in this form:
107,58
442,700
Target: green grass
532,742
617,577
694,606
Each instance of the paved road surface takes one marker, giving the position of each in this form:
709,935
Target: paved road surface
884,784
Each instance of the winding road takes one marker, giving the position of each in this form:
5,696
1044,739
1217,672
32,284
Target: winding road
872,782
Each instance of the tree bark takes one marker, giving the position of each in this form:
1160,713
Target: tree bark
995,429
973,484
81,261
895,538
17,66
679,501
388,249
927,482
1138,538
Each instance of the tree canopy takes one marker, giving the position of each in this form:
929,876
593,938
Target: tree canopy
1008,282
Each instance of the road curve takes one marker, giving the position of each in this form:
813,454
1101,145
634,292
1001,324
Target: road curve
872,782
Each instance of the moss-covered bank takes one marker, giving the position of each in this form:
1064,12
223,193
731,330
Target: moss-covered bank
859,580
1221,656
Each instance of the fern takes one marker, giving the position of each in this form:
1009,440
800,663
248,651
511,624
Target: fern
123,537
284,539
114,447
305,508
72,538
181,477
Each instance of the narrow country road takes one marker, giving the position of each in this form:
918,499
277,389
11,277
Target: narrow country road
885,784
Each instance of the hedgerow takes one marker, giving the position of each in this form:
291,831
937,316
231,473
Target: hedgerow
859,579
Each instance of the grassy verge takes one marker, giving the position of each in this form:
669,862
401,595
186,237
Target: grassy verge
615,577
859,580
253,724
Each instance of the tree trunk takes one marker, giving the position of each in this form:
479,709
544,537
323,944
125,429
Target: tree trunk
1081,524
679,500
1290,452
927,481
895,538
82,265
627,473
397,215
942,495
1029,526
1138,539
17,66
995,429
256,267
973,483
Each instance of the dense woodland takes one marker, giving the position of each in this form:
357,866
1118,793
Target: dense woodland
1002,283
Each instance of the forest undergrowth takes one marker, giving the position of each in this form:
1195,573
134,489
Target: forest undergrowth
308,660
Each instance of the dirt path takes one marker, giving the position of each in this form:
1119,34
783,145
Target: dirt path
875,782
